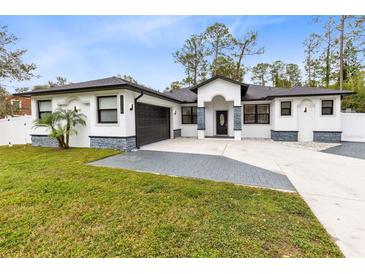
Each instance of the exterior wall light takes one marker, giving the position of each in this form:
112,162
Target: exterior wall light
130,107
174,111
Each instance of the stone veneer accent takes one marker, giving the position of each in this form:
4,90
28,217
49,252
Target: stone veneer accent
177,133
288,136
201,118
43,141
120,143
237,118
327,136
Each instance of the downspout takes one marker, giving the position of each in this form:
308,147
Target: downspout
135,116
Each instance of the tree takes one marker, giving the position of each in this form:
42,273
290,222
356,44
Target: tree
277,73
51,121
352,29
244,47
21,90
6,108
358,32
330,42
60,81
12,66
311,63
261,74
216,52
356,101
225,66
219,39
351,63
173,86
293,75
338,30
128,78
342,39
193,57
61,124
71,118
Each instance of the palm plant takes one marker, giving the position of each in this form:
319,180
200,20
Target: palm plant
61,124
71,118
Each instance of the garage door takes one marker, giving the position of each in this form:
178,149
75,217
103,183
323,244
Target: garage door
153,123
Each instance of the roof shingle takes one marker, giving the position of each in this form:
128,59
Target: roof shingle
188,94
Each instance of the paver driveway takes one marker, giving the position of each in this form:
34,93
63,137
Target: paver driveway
350,149
332,185
212,167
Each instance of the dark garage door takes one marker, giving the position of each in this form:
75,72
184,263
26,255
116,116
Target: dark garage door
153,124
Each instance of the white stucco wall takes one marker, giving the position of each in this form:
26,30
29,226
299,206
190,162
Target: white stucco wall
188,130
321,122
218,95
230,92
289,123
256,130
328,122
87,103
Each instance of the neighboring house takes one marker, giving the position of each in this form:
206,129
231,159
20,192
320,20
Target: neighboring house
124,115
20,104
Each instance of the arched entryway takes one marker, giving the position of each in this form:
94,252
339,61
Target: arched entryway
306,121
219,117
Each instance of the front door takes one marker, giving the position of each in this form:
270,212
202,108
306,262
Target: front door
306,121
222,122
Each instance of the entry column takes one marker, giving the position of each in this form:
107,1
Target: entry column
237,122
201,122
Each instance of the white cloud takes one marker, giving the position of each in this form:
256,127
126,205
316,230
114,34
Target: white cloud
247,23
147,30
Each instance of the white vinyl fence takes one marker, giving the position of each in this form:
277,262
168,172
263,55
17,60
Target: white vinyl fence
15,130
353,127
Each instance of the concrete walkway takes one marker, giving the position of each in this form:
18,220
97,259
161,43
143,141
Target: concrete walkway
212,167
332,185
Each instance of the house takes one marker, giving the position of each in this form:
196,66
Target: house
21,105
125,115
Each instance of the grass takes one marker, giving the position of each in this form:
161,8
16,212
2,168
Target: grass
54,205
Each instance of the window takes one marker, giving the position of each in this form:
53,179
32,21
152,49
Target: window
16,105
250,114
44,108
327,107
188,115
257,114
285,108
107,109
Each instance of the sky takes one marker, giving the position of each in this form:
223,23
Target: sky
83,48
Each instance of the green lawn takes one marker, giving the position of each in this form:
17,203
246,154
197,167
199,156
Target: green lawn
54,205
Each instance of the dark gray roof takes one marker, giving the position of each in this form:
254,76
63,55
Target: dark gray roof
184,95
188,94
255,92
104,83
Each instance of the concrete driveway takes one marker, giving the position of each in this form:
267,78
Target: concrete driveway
332,185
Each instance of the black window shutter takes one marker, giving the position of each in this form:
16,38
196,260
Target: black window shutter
121,104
